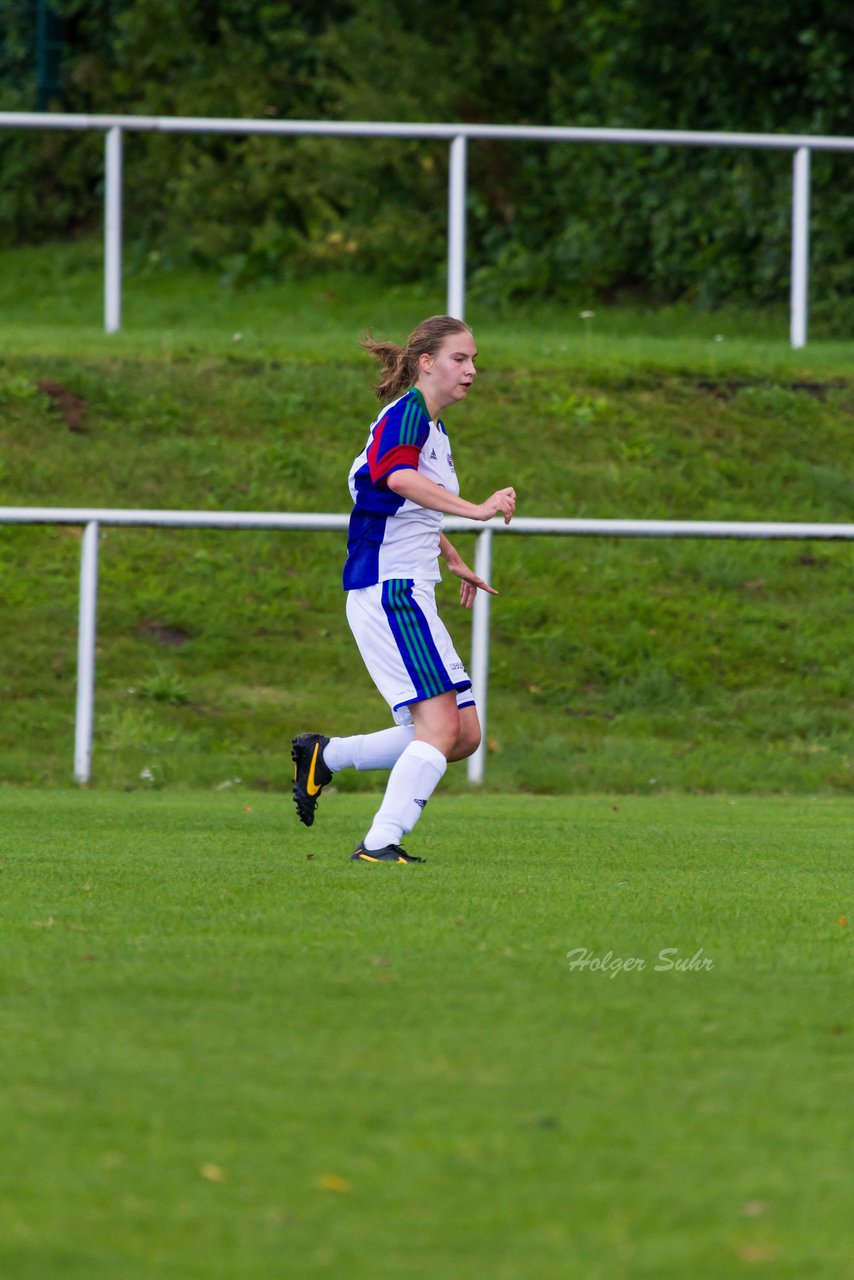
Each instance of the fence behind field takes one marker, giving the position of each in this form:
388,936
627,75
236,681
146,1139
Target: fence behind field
92,518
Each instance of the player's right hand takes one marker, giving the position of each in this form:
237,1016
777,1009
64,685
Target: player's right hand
501,503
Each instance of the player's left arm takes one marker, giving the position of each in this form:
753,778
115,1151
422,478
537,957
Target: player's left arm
470,583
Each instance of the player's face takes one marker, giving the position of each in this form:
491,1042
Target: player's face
447,375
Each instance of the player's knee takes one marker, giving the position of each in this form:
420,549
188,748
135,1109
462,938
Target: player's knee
468,740
440,727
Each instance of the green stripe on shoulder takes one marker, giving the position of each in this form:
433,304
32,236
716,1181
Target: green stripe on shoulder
415,410
409,424
418,399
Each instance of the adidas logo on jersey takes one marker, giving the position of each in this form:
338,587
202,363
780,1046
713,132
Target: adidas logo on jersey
432,455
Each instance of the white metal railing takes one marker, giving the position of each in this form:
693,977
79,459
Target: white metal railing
93,517
114,126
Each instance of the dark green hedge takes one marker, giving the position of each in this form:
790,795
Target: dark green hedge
653,223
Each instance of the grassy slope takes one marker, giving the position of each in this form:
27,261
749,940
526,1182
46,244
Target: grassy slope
236,1053
636,665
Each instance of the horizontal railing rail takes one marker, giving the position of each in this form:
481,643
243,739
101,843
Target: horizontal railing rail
594,527
414,129
92,518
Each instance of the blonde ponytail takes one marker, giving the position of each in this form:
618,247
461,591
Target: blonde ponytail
400,365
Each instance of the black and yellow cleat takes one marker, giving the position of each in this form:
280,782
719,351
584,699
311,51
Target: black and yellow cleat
310,773
391,853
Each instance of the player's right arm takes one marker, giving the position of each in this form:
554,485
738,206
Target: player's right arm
419,488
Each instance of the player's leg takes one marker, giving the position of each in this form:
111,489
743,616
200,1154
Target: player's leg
442,730
413,779
379,750
316,758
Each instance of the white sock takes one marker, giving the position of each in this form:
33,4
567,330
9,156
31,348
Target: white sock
411,783
368,750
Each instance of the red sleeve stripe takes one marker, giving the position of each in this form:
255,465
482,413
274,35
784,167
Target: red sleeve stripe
403,455
374,447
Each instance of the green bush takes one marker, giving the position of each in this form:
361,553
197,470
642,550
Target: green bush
655,223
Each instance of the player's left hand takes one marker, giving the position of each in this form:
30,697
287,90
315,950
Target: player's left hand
470,583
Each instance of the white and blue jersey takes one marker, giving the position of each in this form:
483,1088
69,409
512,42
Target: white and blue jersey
393,562
391,536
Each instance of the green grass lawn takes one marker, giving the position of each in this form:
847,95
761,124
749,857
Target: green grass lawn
228,1051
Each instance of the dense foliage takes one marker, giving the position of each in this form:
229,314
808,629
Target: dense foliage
656,223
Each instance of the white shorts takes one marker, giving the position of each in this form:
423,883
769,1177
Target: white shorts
405,645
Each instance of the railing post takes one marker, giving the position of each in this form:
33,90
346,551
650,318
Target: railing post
86,631
113,230
800,247
457,228
480,650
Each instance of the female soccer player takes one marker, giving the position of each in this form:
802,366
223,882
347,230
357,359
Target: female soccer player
402,483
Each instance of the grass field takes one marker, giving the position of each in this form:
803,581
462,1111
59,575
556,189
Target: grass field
229,1052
